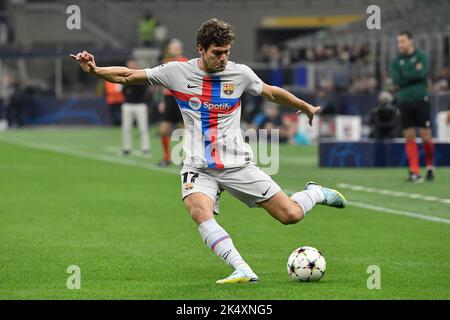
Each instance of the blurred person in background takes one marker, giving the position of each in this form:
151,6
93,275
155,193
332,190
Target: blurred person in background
448,116
409,72
147,28
442,83
14,103
135,108
171,114
271,119
114,98
384,117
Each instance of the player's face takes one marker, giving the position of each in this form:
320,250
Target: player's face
216,57
404,44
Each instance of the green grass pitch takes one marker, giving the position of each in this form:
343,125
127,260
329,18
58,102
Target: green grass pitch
67,199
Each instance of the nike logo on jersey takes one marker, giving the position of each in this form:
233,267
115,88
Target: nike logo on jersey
189,86
264,193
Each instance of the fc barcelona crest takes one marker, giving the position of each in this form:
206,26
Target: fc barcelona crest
228,88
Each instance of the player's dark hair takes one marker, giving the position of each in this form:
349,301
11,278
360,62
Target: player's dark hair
215,32
406,33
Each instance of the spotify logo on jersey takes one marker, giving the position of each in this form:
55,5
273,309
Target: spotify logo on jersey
195,103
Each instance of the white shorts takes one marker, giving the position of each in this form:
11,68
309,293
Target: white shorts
249,184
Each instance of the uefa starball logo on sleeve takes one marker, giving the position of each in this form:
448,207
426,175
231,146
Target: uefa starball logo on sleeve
206,148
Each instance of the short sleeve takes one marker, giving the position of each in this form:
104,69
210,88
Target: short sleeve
158,75
253,84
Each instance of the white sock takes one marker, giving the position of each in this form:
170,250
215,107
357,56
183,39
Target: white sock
215,237
307,199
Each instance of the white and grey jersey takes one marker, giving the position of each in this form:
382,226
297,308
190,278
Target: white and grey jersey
211,109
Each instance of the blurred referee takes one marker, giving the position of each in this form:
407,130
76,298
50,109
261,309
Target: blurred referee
409,72
135,109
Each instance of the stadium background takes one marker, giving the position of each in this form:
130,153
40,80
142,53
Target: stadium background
329,58
57,129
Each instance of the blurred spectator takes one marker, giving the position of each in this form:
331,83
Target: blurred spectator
275,56
384,118
442,83
114,98
448,115
147,28
355,54
14,103
290,123
6,31
271,119
326,97
364,84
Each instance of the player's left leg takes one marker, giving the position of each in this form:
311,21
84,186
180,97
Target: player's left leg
291,210
254,187
428,146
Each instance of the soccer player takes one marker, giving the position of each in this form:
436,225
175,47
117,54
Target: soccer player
208,91
409,72
171,115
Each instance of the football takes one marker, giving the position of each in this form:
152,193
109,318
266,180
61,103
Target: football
306,264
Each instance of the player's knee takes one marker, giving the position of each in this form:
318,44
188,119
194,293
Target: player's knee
200,213
291,215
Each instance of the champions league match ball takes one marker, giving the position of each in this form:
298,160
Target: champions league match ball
306,264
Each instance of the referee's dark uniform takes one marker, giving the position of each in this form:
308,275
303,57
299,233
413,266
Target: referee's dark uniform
409,74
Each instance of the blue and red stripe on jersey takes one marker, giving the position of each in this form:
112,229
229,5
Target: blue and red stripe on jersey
211,88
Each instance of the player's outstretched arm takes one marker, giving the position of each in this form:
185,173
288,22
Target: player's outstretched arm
121,75
285,98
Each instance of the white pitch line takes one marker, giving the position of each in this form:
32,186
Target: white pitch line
399,212
393,193
118,151
89,155
132,163
390,211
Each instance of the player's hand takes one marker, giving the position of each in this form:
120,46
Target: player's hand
448,117
86,61
310,113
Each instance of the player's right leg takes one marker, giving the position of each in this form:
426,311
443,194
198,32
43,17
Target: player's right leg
200,206
201,194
